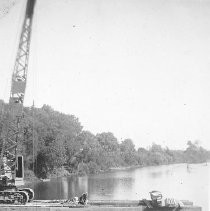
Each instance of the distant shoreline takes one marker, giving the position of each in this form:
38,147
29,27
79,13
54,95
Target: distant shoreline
142,166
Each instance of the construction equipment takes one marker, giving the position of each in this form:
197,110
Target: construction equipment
11,165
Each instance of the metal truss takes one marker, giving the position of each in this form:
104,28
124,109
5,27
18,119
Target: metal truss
11,126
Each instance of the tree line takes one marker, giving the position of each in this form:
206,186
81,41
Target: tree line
54,143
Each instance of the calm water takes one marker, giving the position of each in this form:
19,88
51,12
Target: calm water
176,181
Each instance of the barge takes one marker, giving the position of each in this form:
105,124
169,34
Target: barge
95,205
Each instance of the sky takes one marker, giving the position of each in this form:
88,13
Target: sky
137,68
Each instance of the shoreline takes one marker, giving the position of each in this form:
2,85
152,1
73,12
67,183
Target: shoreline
112,169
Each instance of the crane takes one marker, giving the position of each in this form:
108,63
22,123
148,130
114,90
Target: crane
11,164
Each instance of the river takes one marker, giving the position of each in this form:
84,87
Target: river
175,181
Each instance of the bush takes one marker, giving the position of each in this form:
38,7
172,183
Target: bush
93,167
29,175
60,172
82,169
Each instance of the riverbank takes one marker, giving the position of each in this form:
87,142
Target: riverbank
62,172
143,166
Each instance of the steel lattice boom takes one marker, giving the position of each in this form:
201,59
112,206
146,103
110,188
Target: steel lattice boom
11,129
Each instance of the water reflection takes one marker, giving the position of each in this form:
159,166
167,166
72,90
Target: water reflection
106,187
65,187
83,184
155,174
176,181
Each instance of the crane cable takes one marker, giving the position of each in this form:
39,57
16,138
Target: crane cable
33,147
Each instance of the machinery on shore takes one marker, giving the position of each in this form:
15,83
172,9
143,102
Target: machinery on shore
11,164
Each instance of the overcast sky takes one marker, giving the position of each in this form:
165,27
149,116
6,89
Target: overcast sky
137,68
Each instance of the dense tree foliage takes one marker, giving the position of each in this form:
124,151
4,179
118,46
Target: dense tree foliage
55,143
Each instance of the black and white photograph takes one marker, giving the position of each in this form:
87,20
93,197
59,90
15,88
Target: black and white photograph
105,105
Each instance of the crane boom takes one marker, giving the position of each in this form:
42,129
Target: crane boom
21,64
11,125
